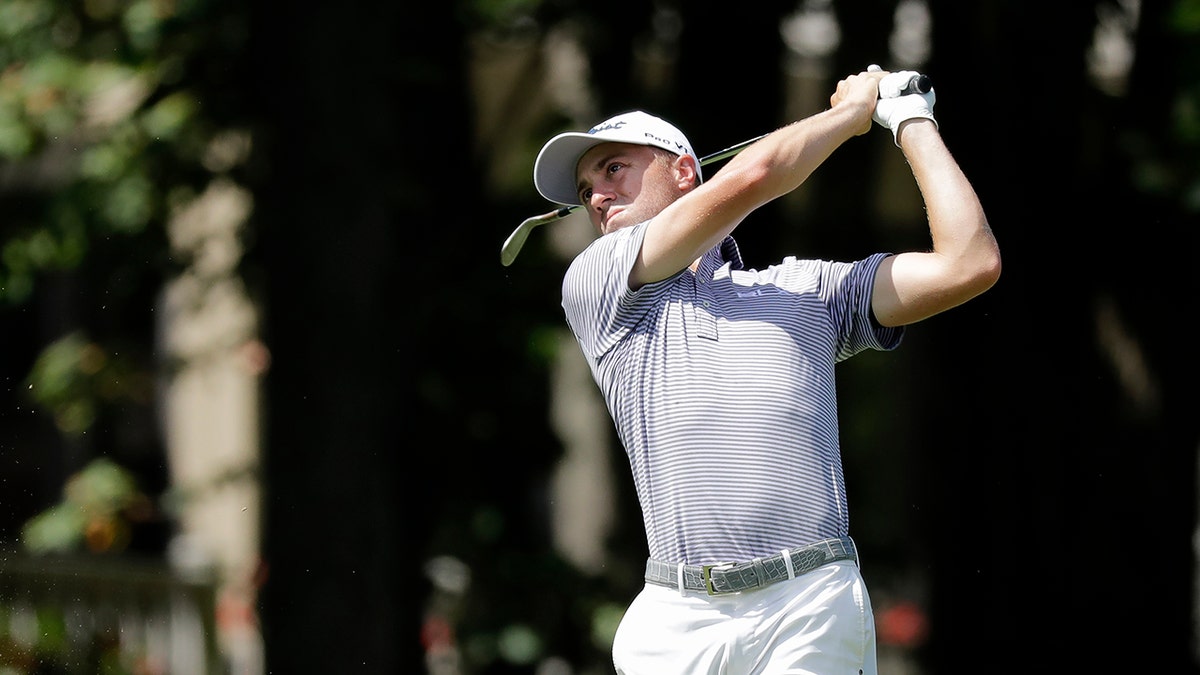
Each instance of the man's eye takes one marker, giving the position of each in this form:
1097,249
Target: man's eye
614,167
586,195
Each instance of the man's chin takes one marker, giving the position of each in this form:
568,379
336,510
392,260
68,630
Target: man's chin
617,222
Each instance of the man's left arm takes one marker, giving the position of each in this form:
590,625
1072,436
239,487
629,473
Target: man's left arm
965,258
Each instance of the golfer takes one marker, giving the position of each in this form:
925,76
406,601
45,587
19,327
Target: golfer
720,379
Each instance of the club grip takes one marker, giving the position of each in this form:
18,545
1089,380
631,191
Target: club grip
919,84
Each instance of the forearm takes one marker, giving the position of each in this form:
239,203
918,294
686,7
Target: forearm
768,169
958,226
964,260
784,159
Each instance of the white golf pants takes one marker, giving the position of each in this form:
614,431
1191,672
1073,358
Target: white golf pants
819,623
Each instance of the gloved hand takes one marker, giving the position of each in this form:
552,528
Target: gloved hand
892,109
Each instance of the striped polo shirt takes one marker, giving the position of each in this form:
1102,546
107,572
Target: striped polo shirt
721,387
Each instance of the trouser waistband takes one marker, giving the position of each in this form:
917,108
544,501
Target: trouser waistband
733,577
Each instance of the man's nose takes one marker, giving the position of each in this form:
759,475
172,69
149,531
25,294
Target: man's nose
600,195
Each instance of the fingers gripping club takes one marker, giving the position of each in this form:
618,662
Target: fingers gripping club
903,95
919,83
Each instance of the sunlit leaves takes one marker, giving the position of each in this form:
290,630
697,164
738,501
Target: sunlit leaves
142,21
58,528
16,139
60,245
128,206
98,503
41,95
605,619
520,644
74,377
82,106
57,248
114,92
60,379
86,120
22,22
169,117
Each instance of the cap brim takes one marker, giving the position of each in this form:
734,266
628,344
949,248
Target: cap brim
554,169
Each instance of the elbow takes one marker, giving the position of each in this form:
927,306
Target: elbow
972,274
994,270
986,271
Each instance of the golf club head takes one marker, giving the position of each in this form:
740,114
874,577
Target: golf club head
512,245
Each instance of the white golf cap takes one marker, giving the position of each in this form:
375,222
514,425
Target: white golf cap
554,170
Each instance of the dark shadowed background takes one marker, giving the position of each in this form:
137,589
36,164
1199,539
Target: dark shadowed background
1021,472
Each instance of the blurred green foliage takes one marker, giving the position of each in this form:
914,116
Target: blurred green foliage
73,376
105,131
102,135
98,506
96,123
1185,20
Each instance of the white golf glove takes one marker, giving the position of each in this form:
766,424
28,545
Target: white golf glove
892,109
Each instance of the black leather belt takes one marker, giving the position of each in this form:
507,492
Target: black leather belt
733,577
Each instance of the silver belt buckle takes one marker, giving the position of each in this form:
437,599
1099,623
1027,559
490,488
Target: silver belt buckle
706,570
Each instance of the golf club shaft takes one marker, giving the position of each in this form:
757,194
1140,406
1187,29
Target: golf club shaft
704,161
728,152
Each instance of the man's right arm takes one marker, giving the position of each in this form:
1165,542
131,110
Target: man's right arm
768,169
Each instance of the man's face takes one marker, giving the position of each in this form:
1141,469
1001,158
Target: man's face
622,185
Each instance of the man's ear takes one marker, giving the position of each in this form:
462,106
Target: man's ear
687,172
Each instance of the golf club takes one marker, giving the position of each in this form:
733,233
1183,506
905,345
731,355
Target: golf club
512,246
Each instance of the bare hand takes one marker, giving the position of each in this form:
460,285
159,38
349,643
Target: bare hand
860,91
